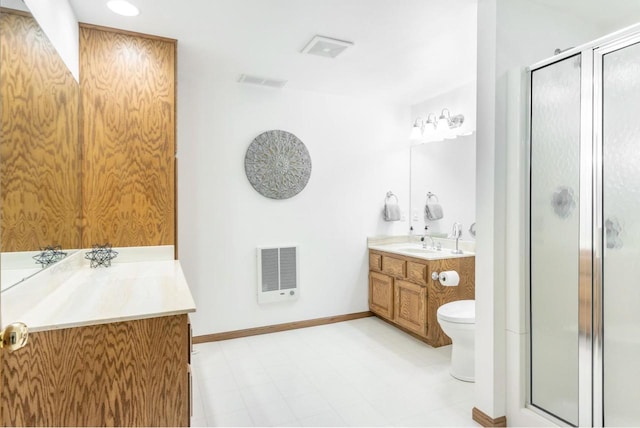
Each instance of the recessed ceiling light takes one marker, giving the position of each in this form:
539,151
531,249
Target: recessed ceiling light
123,7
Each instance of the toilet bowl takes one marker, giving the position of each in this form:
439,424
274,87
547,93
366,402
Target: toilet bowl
458,321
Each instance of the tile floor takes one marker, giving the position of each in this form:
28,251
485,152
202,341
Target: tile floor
355,373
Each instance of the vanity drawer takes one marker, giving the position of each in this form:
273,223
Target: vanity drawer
375,261
417,273
394,267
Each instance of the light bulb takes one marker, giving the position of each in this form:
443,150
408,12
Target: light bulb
416,132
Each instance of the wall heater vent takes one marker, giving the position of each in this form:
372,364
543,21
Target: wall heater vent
278,274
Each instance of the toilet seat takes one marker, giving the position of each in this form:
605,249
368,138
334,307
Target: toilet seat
459,312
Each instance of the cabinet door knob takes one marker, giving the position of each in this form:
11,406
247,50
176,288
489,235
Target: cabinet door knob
435,276
14,336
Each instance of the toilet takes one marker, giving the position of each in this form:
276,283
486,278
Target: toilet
458,321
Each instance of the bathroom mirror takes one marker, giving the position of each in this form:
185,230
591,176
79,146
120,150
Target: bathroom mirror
40,169
447,169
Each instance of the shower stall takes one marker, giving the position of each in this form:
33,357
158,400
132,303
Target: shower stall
584,233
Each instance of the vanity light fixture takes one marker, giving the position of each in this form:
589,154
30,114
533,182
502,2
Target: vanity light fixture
437,128
426,127
123,7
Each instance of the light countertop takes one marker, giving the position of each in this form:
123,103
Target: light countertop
142,284
411,246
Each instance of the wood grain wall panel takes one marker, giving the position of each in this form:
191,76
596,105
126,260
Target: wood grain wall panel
40,165
128,138
120,374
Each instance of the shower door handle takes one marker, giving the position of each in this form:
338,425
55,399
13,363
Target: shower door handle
612,232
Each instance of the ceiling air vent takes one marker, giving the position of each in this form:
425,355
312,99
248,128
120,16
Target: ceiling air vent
263,81
326,46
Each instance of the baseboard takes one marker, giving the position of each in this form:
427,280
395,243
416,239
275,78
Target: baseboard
279,327
486,421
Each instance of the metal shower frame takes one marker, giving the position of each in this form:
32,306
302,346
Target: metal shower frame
590,326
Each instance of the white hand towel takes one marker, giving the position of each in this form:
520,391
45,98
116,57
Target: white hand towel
391,212
433,211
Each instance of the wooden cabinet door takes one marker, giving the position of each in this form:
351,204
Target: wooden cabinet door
127,90
381,294
130,373
411,307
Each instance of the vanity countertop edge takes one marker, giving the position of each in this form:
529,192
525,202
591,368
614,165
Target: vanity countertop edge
411,246
71,294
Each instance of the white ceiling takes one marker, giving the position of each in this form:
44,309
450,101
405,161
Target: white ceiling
404,51
610,15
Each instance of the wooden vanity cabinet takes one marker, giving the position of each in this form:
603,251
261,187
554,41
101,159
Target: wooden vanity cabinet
402,292
130,373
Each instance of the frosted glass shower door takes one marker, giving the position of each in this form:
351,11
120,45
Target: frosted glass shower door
621,240
554,237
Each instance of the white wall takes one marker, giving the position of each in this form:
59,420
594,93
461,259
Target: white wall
526,31
446,168
359,151
59,23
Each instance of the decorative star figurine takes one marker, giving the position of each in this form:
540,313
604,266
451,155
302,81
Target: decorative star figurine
49,255
101,255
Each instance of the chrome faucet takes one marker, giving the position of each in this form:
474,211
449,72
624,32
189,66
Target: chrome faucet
424,236
456,233
424,240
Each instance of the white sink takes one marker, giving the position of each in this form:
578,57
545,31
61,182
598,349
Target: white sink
421,250
416,250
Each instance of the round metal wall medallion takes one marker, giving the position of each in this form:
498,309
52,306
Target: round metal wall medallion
277,164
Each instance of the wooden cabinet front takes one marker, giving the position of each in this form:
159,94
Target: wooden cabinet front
411,306
381,294
404,293
132,373
127,86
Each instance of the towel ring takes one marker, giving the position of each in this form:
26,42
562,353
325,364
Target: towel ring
389,196
432,195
